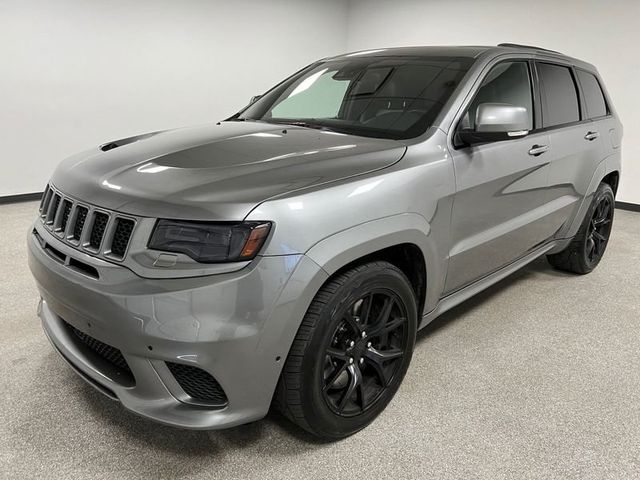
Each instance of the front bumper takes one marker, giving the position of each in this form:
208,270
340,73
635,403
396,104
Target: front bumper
238,327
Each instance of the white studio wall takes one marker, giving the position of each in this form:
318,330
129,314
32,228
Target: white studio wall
77,73
601,32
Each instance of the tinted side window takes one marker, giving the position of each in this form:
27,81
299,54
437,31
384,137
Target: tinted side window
559,89
507,82
596,105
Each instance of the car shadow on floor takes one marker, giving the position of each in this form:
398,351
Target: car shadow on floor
539,268
55,417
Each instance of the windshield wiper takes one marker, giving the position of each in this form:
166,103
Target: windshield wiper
304,124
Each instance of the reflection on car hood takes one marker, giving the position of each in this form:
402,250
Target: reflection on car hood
217,172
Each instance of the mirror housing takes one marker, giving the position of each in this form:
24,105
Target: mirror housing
496,122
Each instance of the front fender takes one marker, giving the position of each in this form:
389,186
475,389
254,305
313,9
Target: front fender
342,248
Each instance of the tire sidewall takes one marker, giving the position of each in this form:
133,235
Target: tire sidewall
317,412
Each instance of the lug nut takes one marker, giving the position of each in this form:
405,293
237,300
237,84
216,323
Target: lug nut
369,345
350,360
364,334
352,343
361,361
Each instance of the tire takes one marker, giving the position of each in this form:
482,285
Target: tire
330,349
586,249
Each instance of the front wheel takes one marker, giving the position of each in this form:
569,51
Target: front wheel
351,351
585,251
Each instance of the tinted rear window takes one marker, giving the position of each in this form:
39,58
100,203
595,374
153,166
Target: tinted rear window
559,89
593,96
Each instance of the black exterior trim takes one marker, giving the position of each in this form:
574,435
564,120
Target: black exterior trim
631,207
23,197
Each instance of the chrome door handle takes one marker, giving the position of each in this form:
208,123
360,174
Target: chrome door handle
591,136
538,150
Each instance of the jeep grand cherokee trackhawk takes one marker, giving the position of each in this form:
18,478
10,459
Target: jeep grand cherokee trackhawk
289,254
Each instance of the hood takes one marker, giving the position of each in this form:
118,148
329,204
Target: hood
216,172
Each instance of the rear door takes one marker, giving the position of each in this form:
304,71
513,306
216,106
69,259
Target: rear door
575,140
500,207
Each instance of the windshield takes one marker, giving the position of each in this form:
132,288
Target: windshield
386,97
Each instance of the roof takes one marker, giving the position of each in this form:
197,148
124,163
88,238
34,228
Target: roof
458,51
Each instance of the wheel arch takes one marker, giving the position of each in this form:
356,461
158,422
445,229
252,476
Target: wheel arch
402,240
604,172
613,180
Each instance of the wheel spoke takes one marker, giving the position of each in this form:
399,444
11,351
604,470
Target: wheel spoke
351,321
601,222
380,371
337,353
591,245
377,358
606,211
385,312
355,379
362,394
382,356
334,377
597,235
388,328
365,309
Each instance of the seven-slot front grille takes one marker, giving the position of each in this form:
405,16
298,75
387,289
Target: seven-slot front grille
94,230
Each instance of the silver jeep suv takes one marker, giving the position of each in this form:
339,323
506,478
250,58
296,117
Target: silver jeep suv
289,254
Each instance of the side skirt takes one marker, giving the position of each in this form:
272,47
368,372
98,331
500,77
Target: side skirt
455,298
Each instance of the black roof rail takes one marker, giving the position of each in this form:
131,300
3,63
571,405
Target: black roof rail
518,45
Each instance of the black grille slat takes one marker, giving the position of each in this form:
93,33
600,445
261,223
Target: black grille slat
94,230
197,383
81,218
46,197
66,211
100,221
53,208
121,236
107,352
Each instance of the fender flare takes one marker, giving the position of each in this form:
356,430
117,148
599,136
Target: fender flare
603,168
334,252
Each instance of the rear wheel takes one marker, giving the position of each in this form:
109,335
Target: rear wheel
351,351
585,251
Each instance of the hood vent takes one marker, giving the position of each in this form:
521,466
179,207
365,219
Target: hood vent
105,147
109,146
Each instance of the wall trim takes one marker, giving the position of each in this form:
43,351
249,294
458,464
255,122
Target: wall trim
23,197
631,207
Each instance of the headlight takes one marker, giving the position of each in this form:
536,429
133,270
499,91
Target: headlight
210,242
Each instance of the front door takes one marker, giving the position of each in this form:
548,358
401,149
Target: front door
500,210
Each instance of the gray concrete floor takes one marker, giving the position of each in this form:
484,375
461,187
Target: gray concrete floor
538,377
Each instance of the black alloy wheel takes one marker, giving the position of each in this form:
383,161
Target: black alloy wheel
364,353
351,351
586,249
598,230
